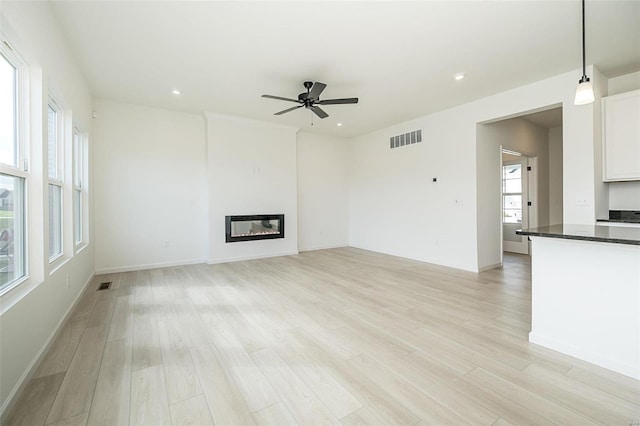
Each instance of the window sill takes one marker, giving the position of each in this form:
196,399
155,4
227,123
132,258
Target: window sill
80,247
55,258
13,285
58,263
11,295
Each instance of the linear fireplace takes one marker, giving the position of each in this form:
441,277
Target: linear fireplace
254,227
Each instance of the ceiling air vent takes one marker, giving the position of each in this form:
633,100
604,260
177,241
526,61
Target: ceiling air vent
405,139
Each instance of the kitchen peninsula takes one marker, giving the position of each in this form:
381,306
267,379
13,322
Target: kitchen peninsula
586,293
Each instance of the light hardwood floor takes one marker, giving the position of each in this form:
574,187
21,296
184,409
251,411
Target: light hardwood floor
340,336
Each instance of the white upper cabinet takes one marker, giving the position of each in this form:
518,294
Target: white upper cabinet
621,135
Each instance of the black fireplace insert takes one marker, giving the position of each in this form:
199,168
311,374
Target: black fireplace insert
254,227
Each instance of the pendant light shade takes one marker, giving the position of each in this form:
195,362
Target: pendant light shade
584,92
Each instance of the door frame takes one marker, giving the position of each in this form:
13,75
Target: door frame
529,195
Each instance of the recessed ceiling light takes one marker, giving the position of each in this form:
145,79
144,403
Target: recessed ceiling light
175,92
458,76
339,124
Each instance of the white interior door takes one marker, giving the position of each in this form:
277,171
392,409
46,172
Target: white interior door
515,212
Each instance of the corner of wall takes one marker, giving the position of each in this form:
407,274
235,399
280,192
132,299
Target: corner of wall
601,189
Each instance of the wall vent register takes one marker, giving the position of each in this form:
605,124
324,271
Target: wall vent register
254,227
405,139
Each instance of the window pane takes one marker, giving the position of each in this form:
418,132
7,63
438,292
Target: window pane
513,171
512,185
77,214
512,216
12,230
512,209
77,159
53,142
55,220
513,201
8,113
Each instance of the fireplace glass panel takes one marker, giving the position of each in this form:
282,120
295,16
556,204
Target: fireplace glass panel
254,227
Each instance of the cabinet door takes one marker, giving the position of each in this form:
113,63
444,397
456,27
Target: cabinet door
621,133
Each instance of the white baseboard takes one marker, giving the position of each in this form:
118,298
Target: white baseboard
515,247
17,390
632,371
300,249
240,258
430,261
130,268
486,268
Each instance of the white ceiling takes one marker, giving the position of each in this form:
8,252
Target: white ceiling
548,119
397,57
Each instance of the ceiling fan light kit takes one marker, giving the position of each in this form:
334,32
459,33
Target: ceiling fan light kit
584,91
311,99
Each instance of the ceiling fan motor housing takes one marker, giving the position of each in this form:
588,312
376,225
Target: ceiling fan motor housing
302,97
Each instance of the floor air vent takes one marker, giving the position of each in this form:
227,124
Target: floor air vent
104,286
405,139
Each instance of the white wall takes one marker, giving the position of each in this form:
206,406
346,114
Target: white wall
624,195
396,209
251,170
624,83
555,175
150,187
31,313
601,189
323,193
394,205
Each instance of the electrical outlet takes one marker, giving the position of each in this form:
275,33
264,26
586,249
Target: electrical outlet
582,202
68,281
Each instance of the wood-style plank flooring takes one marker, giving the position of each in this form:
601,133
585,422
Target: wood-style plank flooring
340,336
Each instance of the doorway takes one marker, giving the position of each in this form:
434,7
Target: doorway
537,136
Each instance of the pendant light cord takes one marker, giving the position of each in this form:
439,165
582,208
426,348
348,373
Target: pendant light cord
584,53
584,91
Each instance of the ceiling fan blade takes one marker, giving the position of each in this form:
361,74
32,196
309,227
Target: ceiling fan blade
288,109
280,98
319,112
316,90
338,101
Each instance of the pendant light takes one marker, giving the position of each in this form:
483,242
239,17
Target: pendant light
584,92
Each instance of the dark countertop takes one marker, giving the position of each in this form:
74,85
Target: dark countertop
604,234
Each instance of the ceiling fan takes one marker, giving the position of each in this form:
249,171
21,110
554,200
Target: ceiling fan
311,99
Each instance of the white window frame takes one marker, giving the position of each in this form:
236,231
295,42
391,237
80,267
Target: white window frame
60,172
80,178
20,169
506,194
